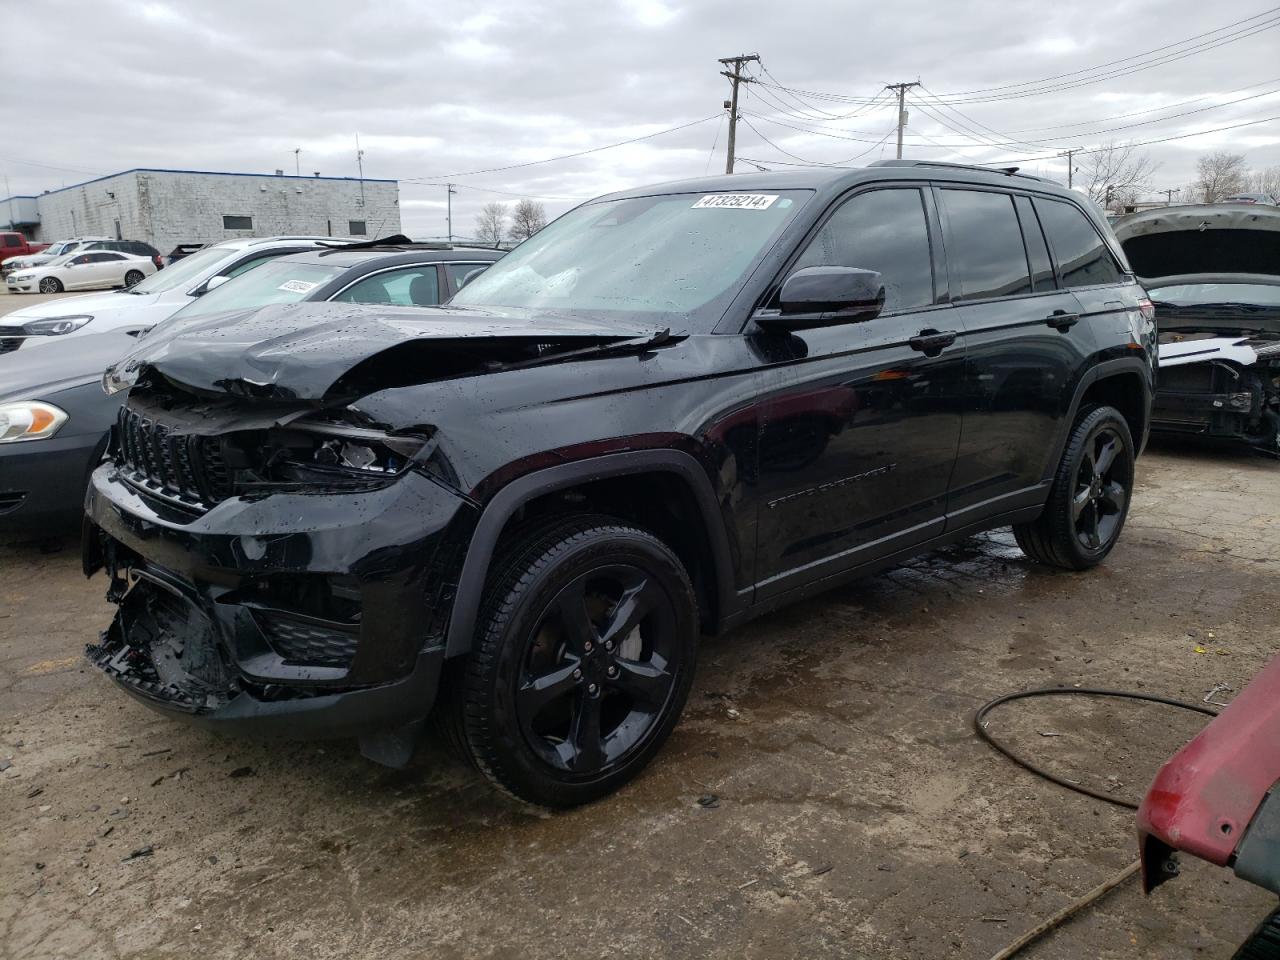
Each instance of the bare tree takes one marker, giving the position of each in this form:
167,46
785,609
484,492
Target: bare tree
1220,175
1118,172
1266,181
491,223
527,219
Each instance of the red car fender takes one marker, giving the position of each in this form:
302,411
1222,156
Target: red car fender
1203,799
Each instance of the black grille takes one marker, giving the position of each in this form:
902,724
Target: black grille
300,641
9,344
176,465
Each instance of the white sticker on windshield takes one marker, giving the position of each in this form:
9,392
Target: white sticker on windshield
297,286
737,201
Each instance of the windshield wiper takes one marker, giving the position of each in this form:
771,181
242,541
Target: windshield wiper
633,344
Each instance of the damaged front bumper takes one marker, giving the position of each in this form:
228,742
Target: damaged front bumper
295,614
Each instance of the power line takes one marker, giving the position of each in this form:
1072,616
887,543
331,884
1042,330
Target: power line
1145,143
1111,63
1086,76
565,156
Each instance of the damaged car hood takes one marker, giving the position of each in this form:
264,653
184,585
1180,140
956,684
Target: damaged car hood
322,352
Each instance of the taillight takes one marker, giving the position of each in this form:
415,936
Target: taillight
1147,309
157,261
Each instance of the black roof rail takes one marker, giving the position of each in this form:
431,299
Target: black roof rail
1007,171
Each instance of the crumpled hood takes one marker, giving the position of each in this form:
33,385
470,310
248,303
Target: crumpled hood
1216,239
322,352
46,365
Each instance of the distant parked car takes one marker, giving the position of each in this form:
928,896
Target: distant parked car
396,274
17,245
135,247
92,270
52,252
153,299
180,251
1250,198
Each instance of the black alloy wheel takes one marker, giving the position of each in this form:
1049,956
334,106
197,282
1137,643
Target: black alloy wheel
582,662
1103,481
133,277
1089,499
598,671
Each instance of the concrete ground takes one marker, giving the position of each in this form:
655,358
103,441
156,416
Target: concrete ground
856,815
14,301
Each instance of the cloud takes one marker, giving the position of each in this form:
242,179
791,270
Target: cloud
441,88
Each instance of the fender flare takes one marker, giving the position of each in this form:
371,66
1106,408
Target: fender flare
1103,371
499,509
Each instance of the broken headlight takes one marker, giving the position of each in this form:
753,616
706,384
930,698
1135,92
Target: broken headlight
316,453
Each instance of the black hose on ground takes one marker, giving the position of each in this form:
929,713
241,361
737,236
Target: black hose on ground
981,730
1106,887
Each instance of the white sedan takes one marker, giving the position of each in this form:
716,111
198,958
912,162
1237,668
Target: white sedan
82,271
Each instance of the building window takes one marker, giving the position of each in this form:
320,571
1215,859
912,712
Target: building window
356,228
237,223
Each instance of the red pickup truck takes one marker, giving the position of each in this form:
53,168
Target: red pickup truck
17,245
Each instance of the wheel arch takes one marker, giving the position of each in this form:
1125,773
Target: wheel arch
1125,384
608,479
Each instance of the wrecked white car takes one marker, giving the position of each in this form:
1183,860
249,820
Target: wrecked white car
1213,271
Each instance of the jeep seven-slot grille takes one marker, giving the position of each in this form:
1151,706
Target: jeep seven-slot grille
173,464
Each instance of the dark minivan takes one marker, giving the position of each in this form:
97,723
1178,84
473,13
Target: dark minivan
671,410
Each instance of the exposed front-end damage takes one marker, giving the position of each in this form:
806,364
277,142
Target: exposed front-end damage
1226,387
283,562
1212,272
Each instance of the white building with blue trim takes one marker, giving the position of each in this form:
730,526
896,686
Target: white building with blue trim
169,207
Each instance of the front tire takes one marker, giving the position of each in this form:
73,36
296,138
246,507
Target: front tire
133,277
50,285
582,664
1089,500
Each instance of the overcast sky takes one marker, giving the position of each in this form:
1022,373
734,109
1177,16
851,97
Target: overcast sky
440,89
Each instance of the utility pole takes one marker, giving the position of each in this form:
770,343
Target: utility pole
1071,167
450,190
297,161
735,78
360,166
1168,194
902,89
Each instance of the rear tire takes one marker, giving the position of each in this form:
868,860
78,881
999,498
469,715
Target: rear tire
582,663
133,277
50,285
1089,499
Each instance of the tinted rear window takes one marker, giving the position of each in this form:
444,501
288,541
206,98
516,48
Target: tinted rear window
984,245
1083,259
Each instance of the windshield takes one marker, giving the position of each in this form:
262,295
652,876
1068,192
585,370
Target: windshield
185,271
277,281
682,256
1202,294
58,249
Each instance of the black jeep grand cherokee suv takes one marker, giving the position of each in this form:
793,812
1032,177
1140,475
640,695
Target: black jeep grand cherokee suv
671,410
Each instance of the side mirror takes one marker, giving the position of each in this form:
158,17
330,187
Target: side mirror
213,283
823,296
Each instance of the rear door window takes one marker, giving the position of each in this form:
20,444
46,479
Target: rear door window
1083,258
885,231
985,251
